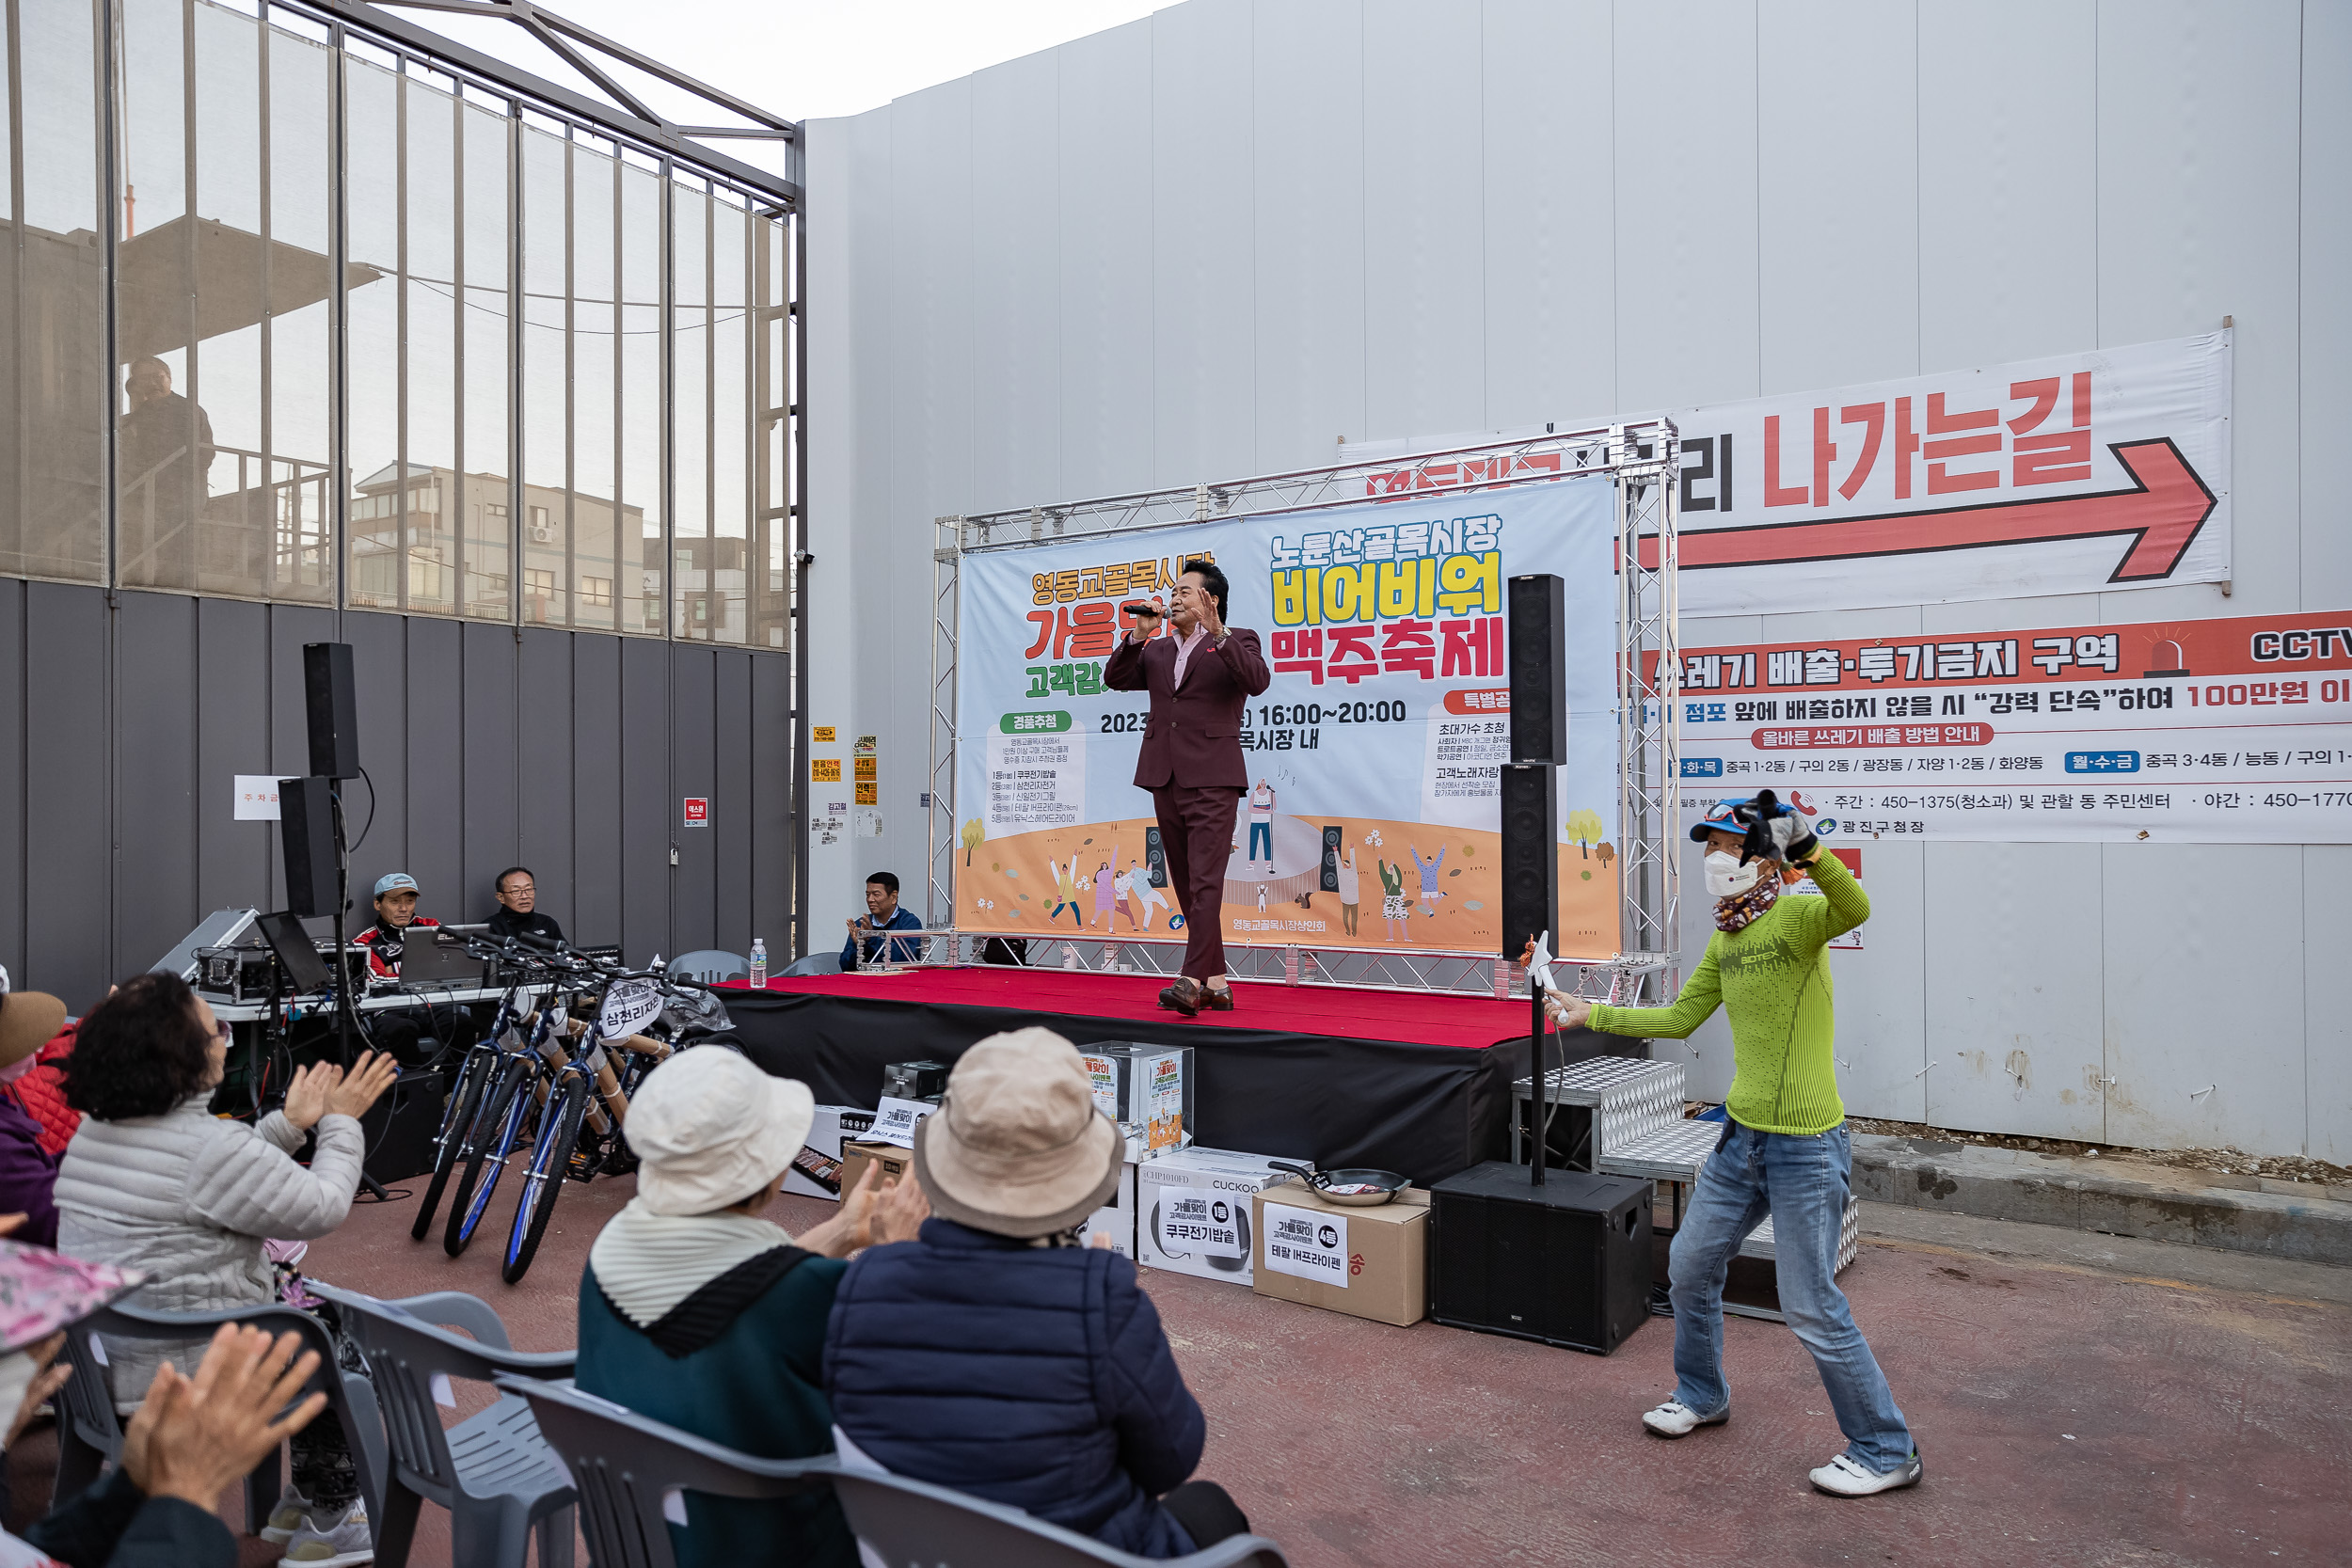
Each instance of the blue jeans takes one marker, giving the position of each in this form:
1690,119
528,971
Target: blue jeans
1800,1182
1260,830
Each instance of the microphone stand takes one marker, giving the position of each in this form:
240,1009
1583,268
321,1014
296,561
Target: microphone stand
347,1006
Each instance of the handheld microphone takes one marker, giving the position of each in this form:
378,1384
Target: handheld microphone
1138,607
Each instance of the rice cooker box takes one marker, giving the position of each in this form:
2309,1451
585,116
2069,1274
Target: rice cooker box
1147,1089
1192,1207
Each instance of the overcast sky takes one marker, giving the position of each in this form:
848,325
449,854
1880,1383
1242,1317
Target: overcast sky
810,58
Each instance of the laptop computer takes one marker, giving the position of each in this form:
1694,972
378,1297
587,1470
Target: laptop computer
434,958
306,971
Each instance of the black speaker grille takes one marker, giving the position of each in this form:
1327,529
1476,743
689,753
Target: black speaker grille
1539,669
306,824
1530,855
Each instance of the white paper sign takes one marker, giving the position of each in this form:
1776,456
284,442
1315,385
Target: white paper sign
257,798
895,1119
1309,1244
628,1007
1206,1222
1102,1073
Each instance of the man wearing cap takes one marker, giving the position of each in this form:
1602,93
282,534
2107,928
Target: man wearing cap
1785,1151
405,1031
29,1175
998,1356
696,1312
395,916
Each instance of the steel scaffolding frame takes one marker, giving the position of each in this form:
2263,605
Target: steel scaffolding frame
1638,458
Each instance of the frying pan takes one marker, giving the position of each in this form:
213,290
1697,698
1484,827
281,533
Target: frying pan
1351,1188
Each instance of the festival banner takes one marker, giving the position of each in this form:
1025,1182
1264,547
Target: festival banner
2079,473
1373,816
2226,731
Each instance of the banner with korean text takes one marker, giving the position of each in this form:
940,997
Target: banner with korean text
2227,730
1372,820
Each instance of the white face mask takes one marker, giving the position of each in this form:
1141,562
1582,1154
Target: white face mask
1727,878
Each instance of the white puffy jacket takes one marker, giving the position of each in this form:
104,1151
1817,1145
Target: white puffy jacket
189,1199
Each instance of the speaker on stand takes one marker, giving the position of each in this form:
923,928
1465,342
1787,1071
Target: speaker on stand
1538,663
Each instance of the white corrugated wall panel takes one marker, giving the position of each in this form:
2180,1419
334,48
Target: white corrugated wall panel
1204,244
1424,284
1838,206
1308,214
1106,261
2325,369
1016,285
1549,174
1685,150
2325,931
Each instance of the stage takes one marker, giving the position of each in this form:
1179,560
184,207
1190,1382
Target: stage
1411,1082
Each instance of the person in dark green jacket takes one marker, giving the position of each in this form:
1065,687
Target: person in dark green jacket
698,1313
1785,1151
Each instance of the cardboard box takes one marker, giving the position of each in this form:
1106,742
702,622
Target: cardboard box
1192,1209
1117,1218
816,1171
1366,1262
857,1154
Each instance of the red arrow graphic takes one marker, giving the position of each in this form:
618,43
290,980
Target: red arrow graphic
2162,511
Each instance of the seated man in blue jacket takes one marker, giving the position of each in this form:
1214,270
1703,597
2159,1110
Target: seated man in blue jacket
996,1355
883,914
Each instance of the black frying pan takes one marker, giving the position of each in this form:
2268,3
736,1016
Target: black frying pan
1351,1188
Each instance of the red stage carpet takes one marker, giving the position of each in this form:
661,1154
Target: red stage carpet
1414,1017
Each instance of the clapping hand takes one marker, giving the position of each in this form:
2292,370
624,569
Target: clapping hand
194,1436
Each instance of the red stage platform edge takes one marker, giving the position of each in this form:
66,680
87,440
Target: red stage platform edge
1420,1018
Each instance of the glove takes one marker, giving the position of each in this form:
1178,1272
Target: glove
1779,832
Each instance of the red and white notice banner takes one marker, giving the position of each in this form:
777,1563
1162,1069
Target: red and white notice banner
2234,731
2079,473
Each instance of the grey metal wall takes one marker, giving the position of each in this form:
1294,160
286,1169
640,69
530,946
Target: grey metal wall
122,725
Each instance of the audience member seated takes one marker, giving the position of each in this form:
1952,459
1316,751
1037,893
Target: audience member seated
28,1173
37,1087
154,1182
517,914
996,1355
192,1439
698,1313
883,914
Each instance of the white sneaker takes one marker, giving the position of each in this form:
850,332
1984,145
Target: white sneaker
339,1544
1848,1477
293,1511
1674,1419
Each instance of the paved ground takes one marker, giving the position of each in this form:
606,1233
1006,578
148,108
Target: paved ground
2078,1398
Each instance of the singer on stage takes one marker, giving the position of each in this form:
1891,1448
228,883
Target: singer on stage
1201,679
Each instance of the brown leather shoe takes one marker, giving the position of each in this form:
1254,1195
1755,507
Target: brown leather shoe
1220,1000
1183,996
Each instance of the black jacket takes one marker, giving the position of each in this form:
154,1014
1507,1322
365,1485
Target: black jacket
114,1525
506,923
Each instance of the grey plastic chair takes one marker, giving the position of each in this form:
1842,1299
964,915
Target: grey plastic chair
625,1467
89,1434
493,1471
912,1521
815,963
711,966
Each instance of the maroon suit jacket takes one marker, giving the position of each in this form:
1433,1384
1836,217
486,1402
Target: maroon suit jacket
1193,736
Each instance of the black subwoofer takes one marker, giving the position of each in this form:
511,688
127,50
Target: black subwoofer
1567,1263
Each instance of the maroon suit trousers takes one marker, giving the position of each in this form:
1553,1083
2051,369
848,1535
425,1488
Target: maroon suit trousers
1197,836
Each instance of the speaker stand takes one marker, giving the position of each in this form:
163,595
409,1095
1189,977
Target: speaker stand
1539,1110
347,1012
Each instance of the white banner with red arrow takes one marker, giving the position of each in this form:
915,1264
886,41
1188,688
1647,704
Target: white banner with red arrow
2079,473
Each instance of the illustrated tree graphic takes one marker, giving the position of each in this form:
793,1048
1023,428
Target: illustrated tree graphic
972,835
1606,854
1584,826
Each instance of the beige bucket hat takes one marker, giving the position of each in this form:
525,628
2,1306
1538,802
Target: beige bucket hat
1017,1147
28,1020
708,1128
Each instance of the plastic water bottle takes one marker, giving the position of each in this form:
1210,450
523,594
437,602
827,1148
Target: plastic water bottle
759,964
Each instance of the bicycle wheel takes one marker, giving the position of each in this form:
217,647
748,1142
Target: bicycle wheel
544,1184
486,1159
457,1129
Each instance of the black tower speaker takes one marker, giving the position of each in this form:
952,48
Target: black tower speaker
333,709
1530,855
1568,1262
1539,669
306,828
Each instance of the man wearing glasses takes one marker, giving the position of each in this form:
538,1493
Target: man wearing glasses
517,912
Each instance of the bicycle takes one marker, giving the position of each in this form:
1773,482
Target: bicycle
459,1134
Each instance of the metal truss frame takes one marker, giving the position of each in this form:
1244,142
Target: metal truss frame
1639,458
621,112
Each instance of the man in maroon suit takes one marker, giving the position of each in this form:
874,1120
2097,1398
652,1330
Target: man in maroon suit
1200,678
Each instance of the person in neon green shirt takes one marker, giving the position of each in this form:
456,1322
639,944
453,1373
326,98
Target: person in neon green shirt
1785,1151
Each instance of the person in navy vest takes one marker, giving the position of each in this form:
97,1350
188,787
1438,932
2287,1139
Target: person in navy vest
1201,679
994,1354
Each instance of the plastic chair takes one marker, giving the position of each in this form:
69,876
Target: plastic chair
89,1434
912,1521
626,1468
493,1471
816,963
711,966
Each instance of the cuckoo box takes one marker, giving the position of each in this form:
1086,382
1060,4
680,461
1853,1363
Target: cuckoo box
1369,1262
1147,1089
1193,1209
